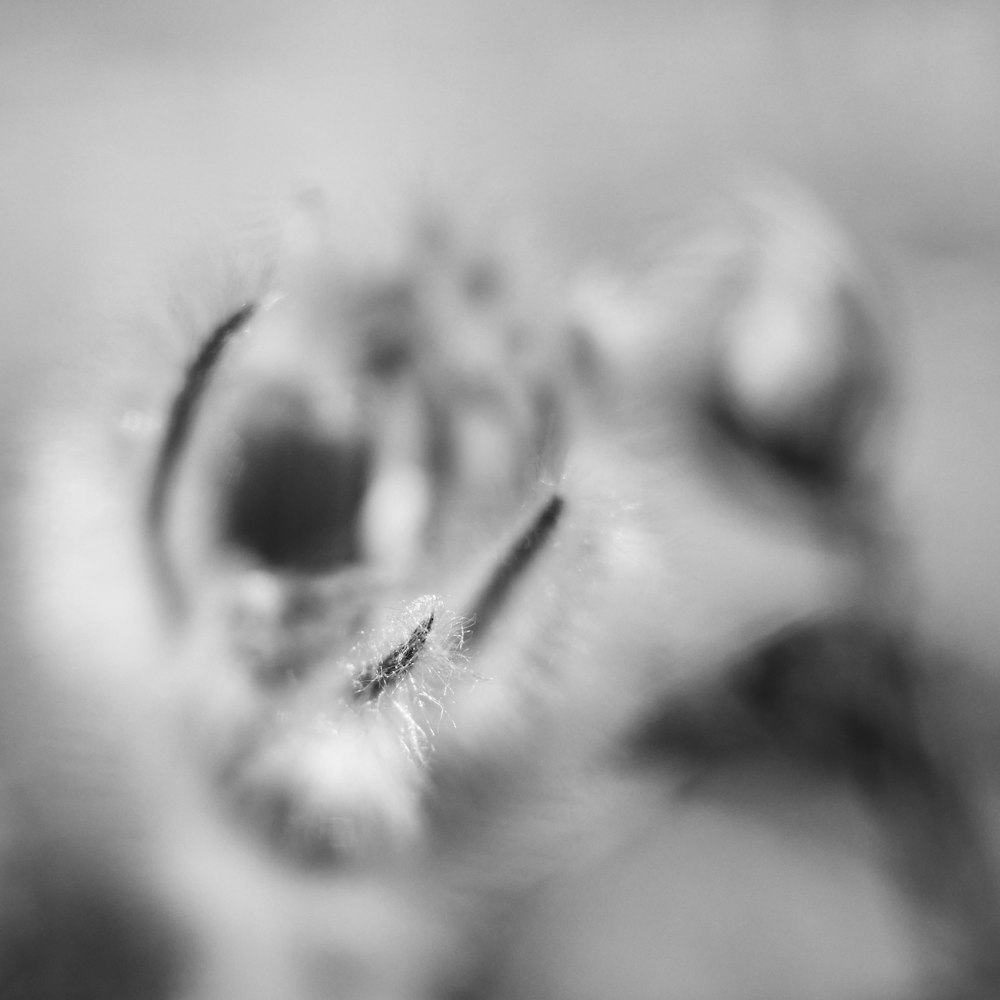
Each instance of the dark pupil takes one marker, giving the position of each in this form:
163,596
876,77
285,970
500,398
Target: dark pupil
295,499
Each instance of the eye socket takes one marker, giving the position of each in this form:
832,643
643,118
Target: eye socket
294,497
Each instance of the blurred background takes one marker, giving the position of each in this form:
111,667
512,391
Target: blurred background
132,130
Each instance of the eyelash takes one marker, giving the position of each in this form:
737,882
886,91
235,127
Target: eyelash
183,411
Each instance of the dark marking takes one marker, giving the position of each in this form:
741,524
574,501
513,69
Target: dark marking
494,595
377,677
183,412
296,501
839,694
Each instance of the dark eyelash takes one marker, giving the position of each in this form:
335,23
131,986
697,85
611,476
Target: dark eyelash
376,677
183,411
501,582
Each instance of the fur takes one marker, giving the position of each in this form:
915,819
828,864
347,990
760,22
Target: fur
572,549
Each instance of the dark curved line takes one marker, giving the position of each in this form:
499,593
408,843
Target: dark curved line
183,412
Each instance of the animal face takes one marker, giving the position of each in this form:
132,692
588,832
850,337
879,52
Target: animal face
382,595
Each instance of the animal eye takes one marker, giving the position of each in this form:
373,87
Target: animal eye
256,462
294,493
184,410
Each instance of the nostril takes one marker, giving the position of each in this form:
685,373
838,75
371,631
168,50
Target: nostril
294,497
